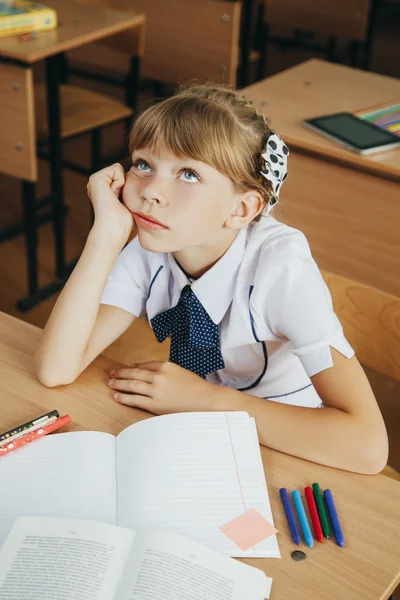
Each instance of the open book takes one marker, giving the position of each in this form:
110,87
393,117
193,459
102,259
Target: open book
50,558
187,474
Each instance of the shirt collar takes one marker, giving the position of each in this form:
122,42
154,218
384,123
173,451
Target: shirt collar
215,288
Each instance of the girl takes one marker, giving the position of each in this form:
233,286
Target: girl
250,319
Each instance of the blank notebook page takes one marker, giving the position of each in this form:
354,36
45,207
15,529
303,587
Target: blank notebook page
68,475
190,474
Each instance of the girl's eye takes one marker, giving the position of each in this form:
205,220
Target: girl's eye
142,165
190,176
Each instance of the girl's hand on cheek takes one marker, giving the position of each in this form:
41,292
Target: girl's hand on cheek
104,189
162,388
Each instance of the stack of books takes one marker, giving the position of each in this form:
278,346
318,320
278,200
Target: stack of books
385,116
22,16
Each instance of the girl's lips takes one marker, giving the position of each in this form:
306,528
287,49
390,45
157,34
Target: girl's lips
147,223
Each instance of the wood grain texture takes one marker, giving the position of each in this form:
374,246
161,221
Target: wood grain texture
316,88
184,40
351,219
78,24
368,566
17,123
81,110
371,322
339,18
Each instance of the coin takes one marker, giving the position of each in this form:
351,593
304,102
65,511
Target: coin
298,555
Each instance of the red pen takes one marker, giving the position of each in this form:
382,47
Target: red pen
314,513
35,435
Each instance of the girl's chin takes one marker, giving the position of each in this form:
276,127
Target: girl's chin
151,244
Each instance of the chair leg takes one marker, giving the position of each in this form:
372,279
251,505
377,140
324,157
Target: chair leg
63,67
261,40
159,90
354,48
132,83
370,35
29,218
331,49
96,149
247,13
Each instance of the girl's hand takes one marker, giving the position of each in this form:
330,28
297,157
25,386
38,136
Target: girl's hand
163,387
104,189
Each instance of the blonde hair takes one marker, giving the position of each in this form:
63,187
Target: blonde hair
213,124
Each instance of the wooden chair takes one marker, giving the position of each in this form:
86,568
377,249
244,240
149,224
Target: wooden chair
351,20
371,323
184,40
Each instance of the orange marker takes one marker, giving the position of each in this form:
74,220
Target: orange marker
35,435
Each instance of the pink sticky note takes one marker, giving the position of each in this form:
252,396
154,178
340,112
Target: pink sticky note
249,529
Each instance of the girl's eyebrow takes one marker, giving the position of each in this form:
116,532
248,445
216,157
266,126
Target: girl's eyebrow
183,161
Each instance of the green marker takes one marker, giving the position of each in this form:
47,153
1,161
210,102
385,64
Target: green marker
321,510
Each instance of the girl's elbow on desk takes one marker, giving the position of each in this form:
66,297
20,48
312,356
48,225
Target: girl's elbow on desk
52,380
49,376
328,436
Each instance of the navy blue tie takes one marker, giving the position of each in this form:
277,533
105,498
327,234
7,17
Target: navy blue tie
194,336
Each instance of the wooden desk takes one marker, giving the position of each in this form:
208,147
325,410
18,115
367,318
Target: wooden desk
347,204
368,567
78,24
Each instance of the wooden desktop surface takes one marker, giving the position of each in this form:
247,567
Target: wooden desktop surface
368,567
316,88
78,24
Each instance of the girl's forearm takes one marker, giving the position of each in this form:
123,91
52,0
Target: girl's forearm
327,436
64,340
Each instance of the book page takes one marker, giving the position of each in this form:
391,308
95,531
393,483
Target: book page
45,558
190,474
70,475
168,567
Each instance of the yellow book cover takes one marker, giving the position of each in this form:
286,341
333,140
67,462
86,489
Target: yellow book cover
23,16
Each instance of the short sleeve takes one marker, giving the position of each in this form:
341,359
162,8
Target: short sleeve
128,283
298,306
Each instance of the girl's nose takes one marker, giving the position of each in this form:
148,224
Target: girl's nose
154,193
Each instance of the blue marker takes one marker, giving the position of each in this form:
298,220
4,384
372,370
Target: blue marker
301,513
290,516
337,530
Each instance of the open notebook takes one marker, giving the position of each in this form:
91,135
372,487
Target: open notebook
187,474
74,559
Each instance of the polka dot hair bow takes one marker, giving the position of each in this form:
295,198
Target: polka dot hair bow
274,166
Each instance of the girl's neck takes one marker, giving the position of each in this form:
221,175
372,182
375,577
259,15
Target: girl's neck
198,260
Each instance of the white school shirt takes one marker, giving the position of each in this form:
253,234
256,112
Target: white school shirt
274,312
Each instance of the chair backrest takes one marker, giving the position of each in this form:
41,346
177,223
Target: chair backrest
371,322
339,18
17,123
185,40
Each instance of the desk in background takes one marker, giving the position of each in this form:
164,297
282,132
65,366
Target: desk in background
348,205
77,25
368,566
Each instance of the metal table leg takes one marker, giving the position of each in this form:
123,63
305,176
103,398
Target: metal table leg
55,151
56,200
30,227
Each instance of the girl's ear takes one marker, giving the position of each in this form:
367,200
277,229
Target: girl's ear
248,206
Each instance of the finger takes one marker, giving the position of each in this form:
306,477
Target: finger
136,374
143,402
152,365
131,386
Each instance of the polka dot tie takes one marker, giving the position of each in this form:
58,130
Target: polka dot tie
194,336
